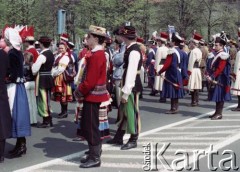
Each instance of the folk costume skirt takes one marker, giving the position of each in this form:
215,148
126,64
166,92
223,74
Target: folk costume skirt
19,107
62,91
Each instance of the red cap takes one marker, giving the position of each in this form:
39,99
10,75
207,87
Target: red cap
196,38
64,36
164,36
139,39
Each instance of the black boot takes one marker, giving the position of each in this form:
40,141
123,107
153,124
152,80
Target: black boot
132,142
118,138
93,158
64,112
197,96
85,159
162,99
15,148
47,122
22,148
174,106
238,107
218,113
153,92
194,98
216,109
2,147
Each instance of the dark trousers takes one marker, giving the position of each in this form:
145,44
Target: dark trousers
90,123
2,147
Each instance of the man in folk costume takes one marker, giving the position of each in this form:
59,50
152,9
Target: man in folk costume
30,55
17,95
184,62
209,60
150,62
202,66
93,91
194,72
29,43
44,80
220,77
128,114
236,75
160,58
117,62
85,48
173,85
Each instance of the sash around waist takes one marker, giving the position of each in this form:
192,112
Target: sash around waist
162,61
45,73
196,65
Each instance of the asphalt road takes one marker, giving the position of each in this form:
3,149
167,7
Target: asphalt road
52,149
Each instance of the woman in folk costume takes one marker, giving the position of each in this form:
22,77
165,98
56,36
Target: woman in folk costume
160,59
220,77
128,113
93,91
44,81
62,92
172,86
194,72
5,114
17,93
103,111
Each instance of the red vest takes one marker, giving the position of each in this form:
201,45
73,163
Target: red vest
34,52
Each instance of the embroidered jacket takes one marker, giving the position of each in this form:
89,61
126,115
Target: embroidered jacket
94,88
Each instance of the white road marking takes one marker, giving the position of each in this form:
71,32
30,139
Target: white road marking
202,127
65,159
196,132
185,138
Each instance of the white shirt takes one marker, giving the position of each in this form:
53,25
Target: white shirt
63,62
132,68
38,63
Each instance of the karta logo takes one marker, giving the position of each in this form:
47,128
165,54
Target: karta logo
156,156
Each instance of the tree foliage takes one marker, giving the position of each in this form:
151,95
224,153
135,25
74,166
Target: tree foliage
205,16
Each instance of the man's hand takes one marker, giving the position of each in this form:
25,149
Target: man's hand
209,78
123,101
78,94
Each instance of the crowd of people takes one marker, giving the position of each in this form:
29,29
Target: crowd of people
108,72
